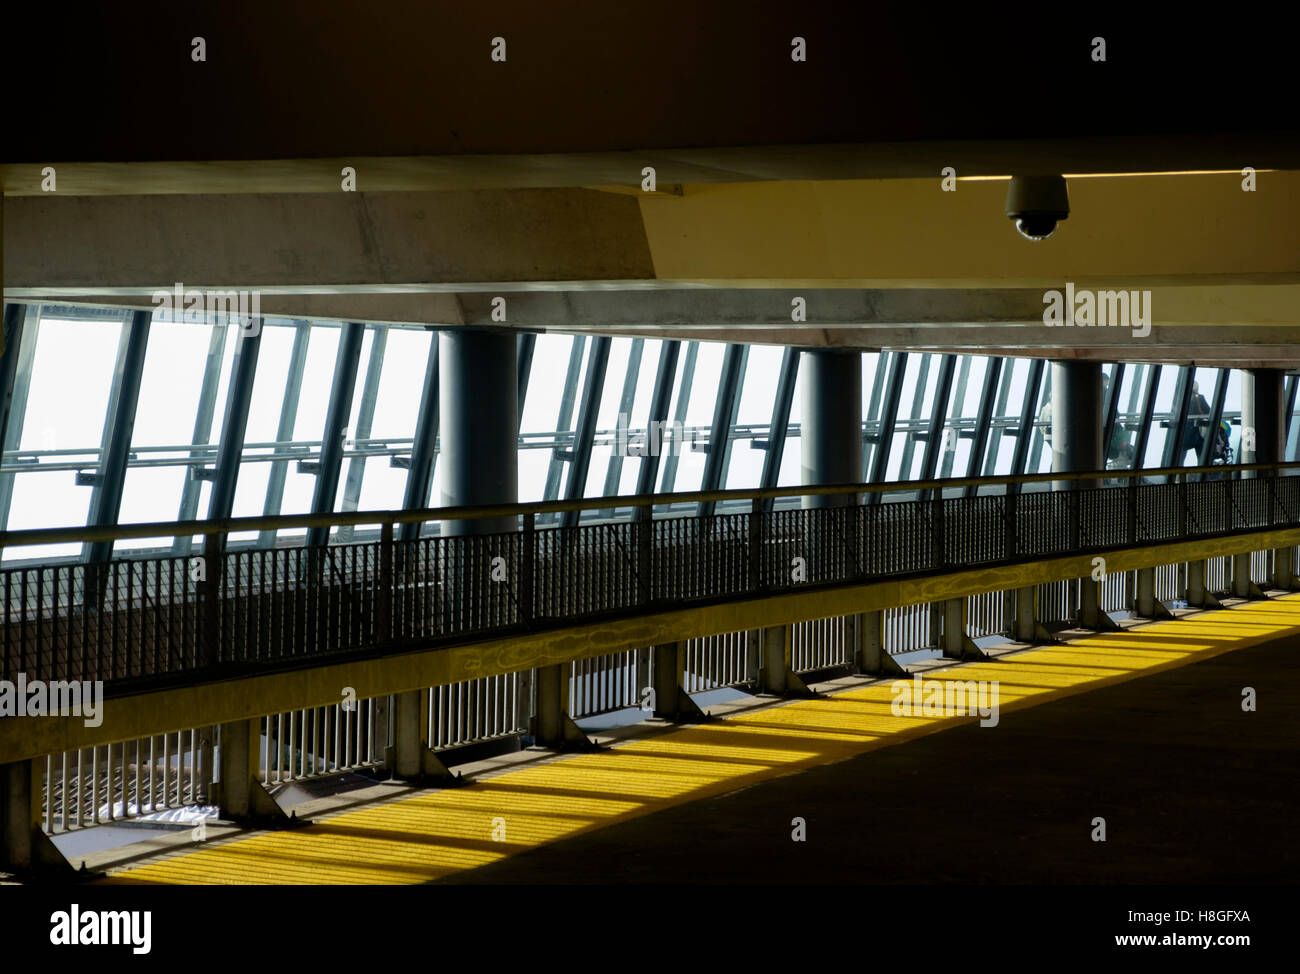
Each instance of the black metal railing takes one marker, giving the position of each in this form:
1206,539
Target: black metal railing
174,620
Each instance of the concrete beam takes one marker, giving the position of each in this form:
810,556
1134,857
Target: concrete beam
322,243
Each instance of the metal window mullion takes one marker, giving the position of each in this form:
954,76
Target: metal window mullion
242,372
575,487
202,435
342,388
365,423
525,345
956,402
1028,410
20,326
938,415
614,472
106,497
679,416
419,476
568,398
873,407
284,429
724,418
1174,451
984,418
660,400
778,432
1216,417
1148,411
1111,407
909,442
1289,396
888,420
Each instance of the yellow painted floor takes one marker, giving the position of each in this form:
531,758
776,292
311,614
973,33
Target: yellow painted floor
440,832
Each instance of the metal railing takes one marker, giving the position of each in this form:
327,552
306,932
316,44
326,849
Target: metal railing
172,621
126,780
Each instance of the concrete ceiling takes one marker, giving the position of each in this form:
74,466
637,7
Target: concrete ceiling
777,179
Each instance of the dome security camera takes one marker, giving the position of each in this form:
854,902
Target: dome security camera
1037,204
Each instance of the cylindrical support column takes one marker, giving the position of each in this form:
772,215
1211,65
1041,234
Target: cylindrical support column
831,428
479,418
1263,419
552,687
776,659
1076,419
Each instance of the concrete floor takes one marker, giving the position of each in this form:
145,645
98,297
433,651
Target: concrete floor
1193,790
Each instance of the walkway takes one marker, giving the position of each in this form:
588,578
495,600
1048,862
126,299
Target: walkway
437,834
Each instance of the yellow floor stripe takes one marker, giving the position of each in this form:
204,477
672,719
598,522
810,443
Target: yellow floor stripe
436,833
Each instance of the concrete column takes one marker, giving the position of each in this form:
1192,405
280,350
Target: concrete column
1091,615
954,627
1196,583
776,659
1026,615
239,764
667,672
1144,602
479,416
1076,419
410,737
831,428
1283,568
1241,576
20,814
552,690
871,641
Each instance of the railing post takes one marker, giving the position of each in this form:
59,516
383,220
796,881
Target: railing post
644,551
1010,503
387,590
939,553
1132,510
527,567
1187,514
211,587
757,534
1227,503
1074,505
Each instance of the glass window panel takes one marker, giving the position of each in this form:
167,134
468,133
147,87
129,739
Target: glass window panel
317,379
790,472
406,358
47,500
754,416
72,377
